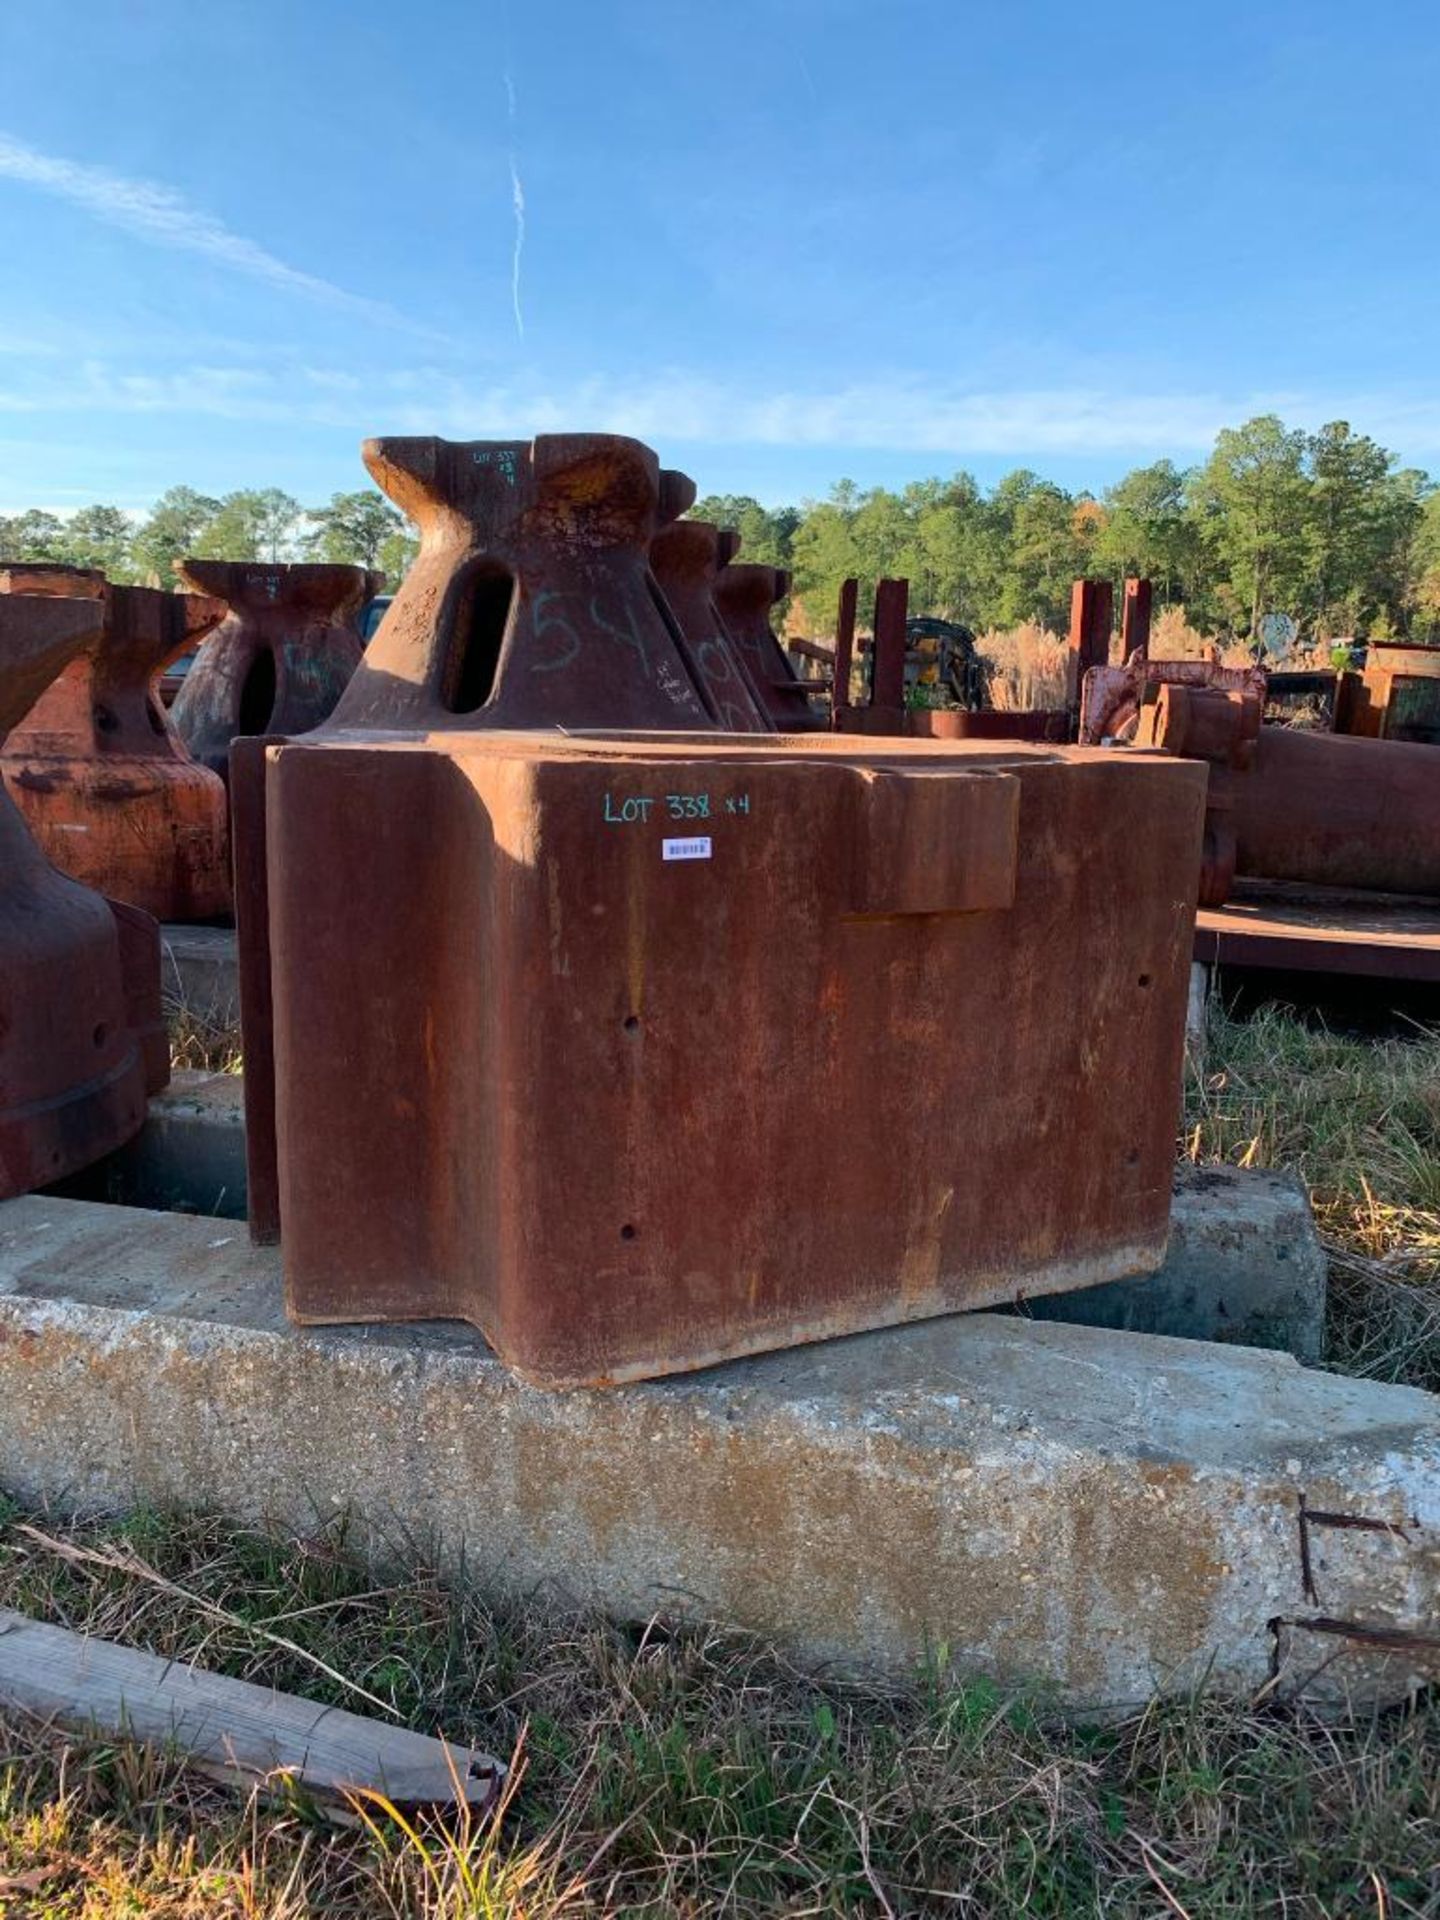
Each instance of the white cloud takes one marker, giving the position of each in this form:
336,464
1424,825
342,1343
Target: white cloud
164,218
903,415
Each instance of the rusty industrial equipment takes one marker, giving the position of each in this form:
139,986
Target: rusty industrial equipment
745,594
686,557
1112,695
1395,696
535,1072
82,1038
531,602
99,772
1309,808
513,991
281,658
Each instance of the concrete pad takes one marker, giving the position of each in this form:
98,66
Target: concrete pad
189,1157
199,971
1098,1512
1245,1265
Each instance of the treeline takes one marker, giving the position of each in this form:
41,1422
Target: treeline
358,529
1323,527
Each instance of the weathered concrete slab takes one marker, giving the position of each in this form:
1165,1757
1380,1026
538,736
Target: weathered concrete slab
189,1157
1102,1512
1245,1261
1245,1265
199,972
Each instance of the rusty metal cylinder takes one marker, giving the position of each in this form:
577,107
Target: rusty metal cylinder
281,658
1314,808
80,1042
103,779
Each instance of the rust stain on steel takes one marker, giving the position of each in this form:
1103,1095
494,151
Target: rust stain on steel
745,594
532,602
100,774
281,658
686,557
81,1039
1319,809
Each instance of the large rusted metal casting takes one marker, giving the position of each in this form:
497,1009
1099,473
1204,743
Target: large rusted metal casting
1314,808
514,991
745,594
1395,697
686,558
280,660
99,772
532,602
82,1040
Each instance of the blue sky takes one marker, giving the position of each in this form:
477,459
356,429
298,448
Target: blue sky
782,240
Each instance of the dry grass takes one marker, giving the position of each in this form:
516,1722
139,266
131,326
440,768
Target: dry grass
1029,664
680,1771
1359,1121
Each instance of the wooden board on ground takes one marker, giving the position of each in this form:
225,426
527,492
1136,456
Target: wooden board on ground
247,1732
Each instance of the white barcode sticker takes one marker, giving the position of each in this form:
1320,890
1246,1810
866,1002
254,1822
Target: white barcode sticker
697,848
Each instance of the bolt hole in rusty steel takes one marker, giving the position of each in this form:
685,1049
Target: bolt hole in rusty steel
101,1034
583,843
1143,981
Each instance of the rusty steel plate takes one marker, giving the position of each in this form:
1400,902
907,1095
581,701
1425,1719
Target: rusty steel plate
102,778
280,659
640,1053
1319,930
81,1039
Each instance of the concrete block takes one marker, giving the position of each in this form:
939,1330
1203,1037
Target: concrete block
199,972
1099,1512
189,1157
1245,1265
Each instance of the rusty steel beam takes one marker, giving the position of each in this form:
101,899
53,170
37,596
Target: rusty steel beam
100,774
1092,614
887,652
844,648
745,594
1135,619
532,602
688,558
81,1038
281,658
